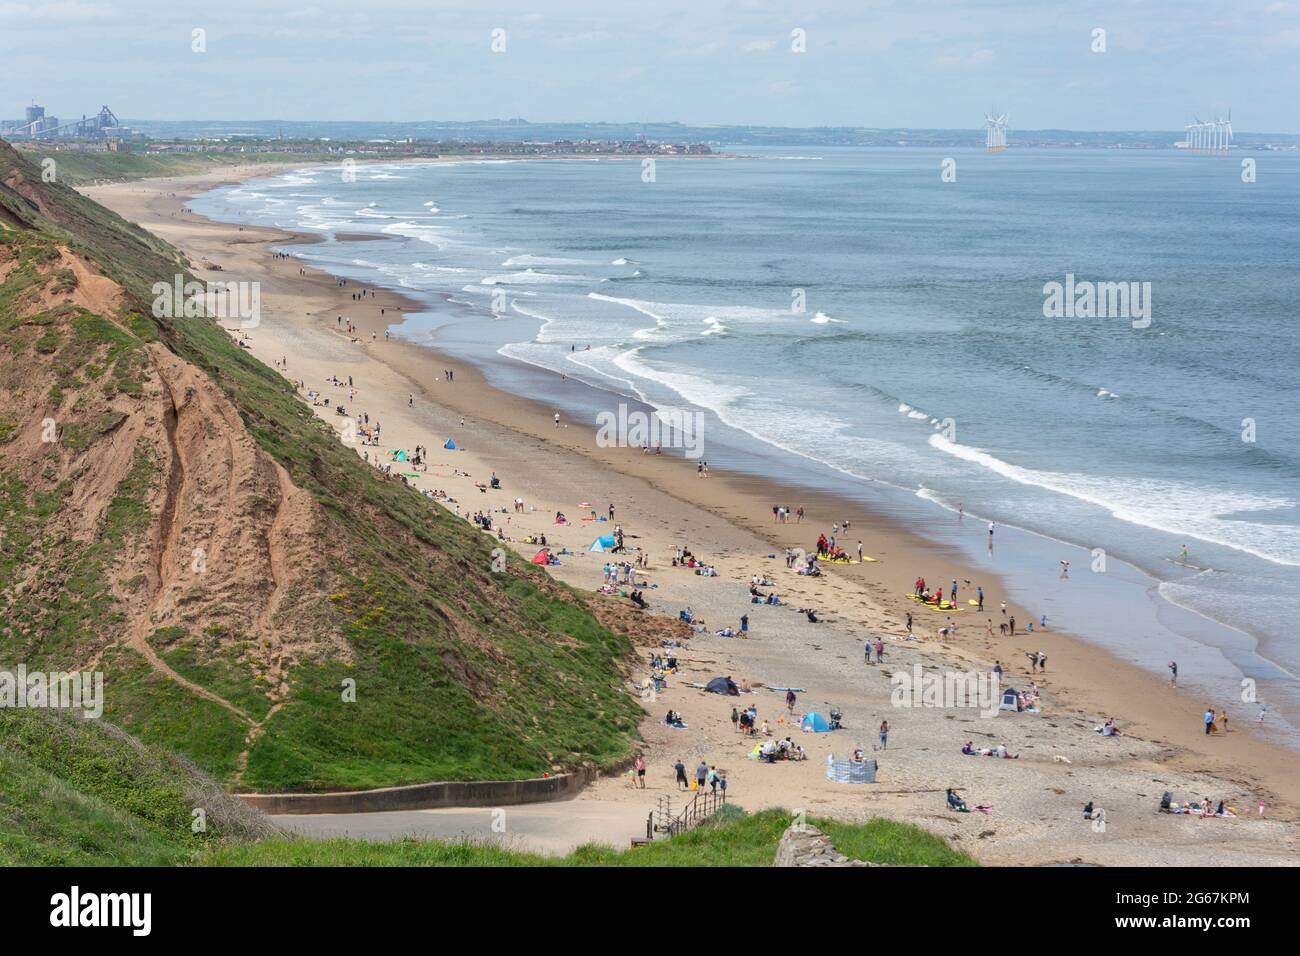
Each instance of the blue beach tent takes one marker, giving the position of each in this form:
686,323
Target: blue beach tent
604,543
815,723
450,443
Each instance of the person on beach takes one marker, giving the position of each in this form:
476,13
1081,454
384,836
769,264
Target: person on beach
884,735
1012,624
790,701
997,670
1209,721
1223,719
744,625
682,782
639,765
1173,673
701,774
979,596
735,720
859,552
557,419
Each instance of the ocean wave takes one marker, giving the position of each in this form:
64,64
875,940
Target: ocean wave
531,276
1176,508
515,262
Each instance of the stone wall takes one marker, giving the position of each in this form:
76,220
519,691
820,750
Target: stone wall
805,845
424,796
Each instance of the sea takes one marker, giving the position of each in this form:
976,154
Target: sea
909,329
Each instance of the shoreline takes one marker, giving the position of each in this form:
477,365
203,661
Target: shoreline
1083,680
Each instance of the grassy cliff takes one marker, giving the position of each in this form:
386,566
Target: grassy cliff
79,167
329,578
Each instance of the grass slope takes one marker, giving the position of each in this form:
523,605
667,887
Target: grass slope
81,793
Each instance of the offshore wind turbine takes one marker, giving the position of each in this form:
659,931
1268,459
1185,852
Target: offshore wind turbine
995,132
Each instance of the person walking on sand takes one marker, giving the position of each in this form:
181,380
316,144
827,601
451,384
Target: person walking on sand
744,625
859,552
1173,673
1012,622
1223,719
639,765
884,735
1209,721
789,701
682,782
701,774
410,400
735,720
979,596
880,651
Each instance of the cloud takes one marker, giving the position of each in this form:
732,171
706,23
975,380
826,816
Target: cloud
64,11
975,60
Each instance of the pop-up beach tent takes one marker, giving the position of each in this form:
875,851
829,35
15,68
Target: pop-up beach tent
722,685
815,723
1010,699
450,443
399,455
542,557
605,542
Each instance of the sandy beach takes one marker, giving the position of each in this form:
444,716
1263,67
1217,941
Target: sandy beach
726,520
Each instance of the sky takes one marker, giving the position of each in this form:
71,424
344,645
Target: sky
872,63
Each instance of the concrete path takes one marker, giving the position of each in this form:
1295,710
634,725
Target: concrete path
548,828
